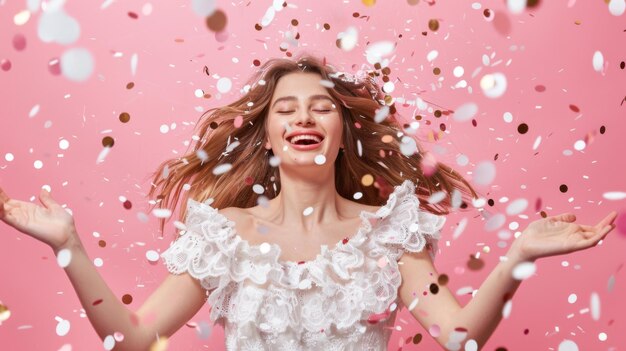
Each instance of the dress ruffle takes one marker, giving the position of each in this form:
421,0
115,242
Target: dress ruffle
341,286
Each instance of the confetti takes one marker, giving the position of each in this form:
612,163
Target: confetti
77,64
307,211
617,7
493,85
524,270
598,61
568,345
614,195
320,159
465,112
64,257
484,173
595,306
152,256
63,326
109,342
203,8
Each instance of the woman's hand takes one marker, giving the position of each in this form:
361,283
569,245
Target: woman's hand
559,235
51,224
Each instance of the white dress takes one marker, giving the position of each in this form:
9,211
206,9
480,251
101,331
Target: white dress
344,299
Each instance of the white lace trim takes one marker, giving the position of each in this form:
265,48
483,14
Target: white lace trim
341,286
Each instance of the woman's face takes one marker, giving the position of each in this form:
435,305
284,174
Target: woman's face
301,104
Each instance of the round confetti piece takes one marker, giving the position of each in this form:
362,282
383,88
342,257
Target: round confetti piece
369,2
119,337
5,313
493,85
63,327
433,25
572,298
9,157
124,117
524,270
307,211
434,330
222,168
617,7
127,299
64,144
265,248
602,336
471,345
107,141
77,64
224,85
64,257
162,212
38,164
506,309
598,61
109,342
320,159
568,345
367,180
238,121
203,8
217,21
5,64
152,256
484,173
19,42
465,112
98,262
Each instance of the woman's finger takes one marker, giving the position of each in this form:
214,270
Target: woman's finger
46,198
565,217
3,196
607,220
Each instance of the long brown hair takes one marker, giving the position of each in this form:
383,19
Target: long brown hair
193,173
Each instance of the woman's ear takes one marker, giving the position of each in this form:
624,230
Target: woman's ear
268,145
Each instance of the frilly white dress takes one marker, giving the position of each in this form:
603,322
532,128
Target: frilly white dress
344,299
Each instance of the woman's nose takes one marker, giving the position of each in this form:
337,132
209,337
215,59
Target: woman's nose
305,118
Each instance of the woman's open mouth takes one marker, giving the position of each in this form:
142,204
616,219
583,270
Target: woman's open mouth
304,142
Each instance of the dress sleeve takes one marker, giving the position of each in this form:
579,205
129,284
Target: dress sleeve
203,248
407,227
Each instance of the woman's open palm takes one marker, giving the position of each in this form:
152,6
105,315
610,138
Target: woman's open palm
560,234
49,223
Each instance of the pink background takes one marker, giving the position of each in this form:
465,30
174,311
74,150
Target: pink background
543,46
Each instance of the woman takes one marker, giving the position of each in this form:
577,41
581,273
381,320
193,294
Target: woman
290,261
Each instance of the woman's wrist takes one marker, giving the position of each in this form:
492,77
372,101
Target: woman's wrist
72,243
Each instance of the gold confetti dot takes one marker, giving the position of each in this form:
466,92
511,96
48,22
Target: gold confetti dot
102,243
217,21
413,2
127,299
326,26
294,22
443,279
387,139
130,85
124,117
160,344
436,70
367,180
107,141
417,338
5,313
433,25
369,2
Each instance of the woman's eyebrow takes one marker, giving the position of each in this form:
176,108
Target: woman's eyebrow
311,98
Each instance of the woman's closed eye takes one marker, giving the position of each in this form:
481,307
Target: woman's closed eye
291,111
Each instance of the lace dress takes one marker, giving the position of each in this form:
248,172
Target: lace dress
344,299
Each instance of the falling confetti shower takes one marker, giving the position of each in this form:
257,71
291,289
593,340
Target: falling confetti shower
523,98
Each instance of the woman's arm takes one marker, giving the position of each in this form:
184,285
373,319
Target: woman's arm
172,304
440,313
168,308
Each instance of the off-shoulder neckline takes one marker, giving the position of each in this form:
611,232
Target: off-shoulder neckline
364,215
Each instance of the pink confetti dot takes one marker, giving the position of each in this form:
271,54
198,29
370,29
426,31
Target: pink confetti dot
221,36
434,330
19,42
54,66
5,64
238,121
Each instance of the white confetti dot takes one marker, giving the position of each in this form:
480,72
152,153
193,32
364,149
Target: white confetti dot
568,345
348,39
320,159
413,304
9,157
465,112
471,345
357,195
516,6
162,212
274,161
98,262
63,326
221,169
493,85
164,128
484,173
203,8
77,64
432,55
109,342
327,83
602,336
38,164
579,145
598,61
494,222
265,248
152,255
595,306
258,189
119,337
198,93
64,257
516,207
388,87
506,310
565,264
508,117
458,71
572,298
307,211
614,195
408,146
524,270
64,144
33,111
376,51
223,85
617,7
462,160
